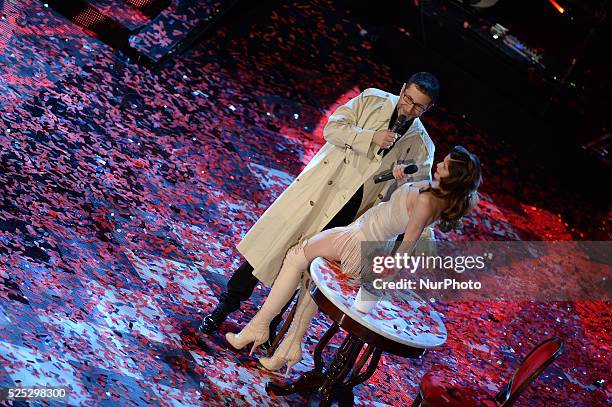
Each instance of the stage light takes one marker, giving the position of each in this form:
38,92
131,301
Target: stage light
88,17
557,6
150,8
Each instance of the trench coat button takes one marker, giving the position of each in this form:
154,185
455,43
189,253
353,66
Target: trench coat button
325,162
330,182
380,196
297,179
311,203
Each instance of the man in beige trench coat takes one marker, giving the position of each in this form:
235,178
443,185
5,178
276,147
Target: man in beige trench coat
337,185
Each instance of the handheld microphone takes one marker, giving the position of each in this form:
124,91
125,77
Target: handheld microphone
400,127
388,174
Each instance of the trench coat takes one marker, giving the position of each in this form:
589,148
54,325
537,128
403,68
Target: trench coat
346,161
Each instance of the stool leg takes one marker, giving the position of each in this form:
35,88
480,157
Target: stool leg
339,368
417,400
359,378
318,357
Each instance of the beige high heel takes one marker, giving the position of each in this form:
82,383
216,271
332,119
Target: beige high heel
289,358
246,336
255,332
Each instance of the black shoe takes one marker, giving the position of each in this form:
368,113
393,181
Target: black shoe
210,324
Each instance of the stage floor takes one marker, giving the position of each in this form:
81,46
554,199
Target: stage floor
125,191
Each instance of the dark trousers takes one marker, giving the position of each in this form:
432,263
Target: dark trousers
242,283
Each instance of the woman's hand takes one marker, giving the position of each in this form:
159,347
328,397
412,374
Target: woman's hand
398,173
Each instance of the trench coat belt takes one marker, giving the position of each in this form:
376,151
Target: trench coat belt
348,153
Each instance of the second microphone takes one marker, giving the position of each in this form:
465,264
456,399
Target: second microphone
388,174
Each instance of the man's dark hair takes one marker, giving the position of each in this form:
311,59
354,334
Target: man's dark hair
426,83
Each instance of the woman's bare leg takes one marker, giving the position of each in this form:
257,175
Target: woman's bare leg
295,265
294,268
321,245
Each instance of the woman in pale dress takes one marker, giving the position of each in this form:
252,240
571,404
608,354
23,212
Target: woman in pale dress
411,208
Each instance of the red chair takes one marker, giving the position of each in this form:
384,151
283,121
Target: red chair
436,390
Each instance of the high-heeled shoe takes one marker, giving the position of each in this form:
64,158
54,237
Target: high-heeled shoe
281,358
255,332
246,336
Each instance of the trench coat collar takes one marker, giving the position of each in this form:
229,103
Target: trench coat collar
386,110
388,106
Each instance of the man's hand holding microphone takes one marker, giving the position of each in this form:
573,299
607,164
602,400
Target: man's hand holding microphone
384,138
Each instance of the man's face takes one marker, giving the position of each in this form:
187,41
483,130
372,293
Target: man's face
413,102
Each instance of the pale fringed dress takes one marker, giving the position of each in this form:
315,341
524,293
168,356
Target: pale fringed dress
382,223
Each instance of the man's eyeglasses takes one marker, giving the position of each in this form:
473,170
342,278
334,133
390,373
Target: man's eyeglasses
418,109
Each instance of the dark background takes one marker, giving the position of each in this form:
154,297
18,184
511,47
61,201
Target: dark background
545,116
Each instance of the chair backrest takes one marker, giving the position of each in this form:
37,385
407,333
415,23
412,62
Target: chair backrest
532,366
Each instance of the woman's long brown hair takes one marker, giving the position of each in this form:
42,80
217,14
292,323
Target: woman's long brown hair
459,188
